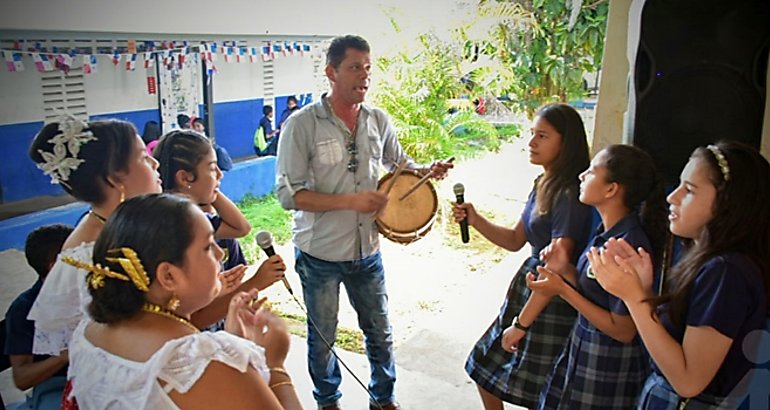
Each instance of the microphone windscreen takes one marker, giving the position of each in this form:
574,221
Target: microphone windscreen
264,239
459,189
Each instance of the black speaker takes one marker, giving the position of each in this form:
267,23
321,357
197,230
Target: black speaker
700,76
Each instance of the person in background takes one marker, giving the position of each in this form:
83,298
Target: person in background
291,108
46,375
269,134
224,161
183,120
150,135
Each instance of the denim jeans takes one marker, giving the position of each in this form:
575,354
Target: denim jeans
364,282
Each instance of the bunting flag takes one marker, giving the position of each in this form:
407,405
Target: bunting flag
297,46
287,48
267,52
228,53
42,62
166,58
116,57
149,60
306,47
89,64
211,69
277,49
182,57
241,56
64,62
13,61
131,62
213,55
252,54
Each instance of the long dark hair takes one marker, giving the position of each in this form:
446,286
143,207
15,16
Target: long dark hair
741,221
109,153
572,158
643,190
180,150
158,227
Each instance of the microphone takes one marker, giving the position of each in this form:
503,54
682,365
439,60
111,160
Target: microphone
265,241
460,194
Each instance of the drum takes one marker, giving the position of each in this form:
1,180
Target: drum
410,219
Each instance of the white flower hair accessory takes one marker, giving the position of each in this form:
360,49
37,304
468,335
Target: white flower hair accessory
58,165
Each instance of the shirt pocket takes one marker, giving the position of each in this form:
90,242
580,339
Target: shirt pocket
329,152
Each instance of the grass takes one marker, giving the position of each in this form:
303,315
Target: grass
264,214
351,340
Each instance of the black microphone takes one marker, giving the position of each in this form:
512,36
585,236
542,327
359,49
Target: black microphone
460,194
265,241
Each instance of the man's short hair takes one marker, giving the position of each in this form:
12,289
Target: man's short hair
291,98
44,244
183,120
340,45
267,109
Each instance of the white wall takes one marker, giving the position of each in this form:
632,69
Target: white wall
21,92
237,81
293,75
113,89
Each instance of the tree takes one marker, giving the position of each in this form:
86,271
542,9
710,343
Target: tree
546,45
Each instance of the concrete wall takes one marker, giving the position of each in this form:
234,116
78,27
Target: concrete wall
253,177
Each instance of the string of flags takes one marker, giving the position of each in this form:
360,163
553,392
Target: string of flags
168,53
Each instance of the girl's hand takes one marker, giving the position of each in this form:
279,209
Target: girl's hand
239,319
273,335
511,338
269,272
638,259
616,275
231,279
465,211
547,283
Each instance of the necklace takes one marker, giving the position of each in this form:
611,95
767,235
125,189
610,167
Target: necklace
98,217
158,310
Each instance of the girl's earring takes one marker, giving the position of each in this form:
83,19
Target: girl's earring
173,303
122,194
189,186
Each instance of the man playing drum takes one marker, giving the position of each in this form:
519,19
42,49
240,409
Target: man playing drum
329,160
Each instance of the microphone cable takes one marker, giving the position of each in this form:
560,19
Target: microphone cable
331,348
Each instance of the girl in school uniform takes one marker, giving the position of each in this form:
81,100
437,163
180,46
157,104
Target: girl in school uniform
554,217
604,364
716,294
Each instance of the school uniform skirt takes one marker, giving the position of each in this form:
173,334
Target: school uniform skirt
595,371
518,377
658,394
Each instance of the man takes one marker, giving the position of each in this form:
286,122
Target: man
45,374
329,160
266,125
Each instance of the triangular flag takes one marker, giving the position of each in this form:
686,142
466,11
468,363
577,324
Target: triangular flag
87,64
267,53
116,57
131,62
149,60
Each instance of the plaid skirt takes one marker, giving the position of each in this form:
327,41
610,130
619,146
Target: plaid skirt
518,377
595,371
658,394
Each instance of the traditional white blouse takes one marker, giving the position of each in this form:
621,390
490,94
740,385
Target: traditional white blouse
102,380
62,302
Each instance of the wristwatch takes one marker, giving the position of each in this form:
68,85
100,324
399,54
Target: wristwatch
519,326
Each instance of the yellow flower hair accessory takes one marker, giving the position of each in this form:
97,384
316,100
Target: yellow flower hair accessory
721,161
132,266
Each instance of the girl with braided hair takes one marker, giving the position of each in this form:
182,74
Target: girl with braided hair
188,167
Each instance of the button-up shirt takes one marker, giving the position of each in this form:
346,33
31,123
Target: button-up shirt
313,154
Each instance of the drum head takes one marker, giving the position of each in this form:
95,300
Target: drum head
409,219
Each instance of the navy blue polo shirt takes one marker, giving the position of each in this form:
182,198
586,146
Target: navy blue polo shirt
20,332
630,229
728,295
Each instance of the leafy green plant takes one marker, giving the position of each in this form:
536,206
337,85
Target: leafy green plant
545,46
417,97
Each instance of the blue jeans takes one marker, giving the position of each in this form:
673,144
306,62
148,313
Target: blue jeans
365,285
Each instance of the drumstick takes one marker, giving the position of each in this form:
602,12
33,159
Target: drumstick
396,173
420,182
